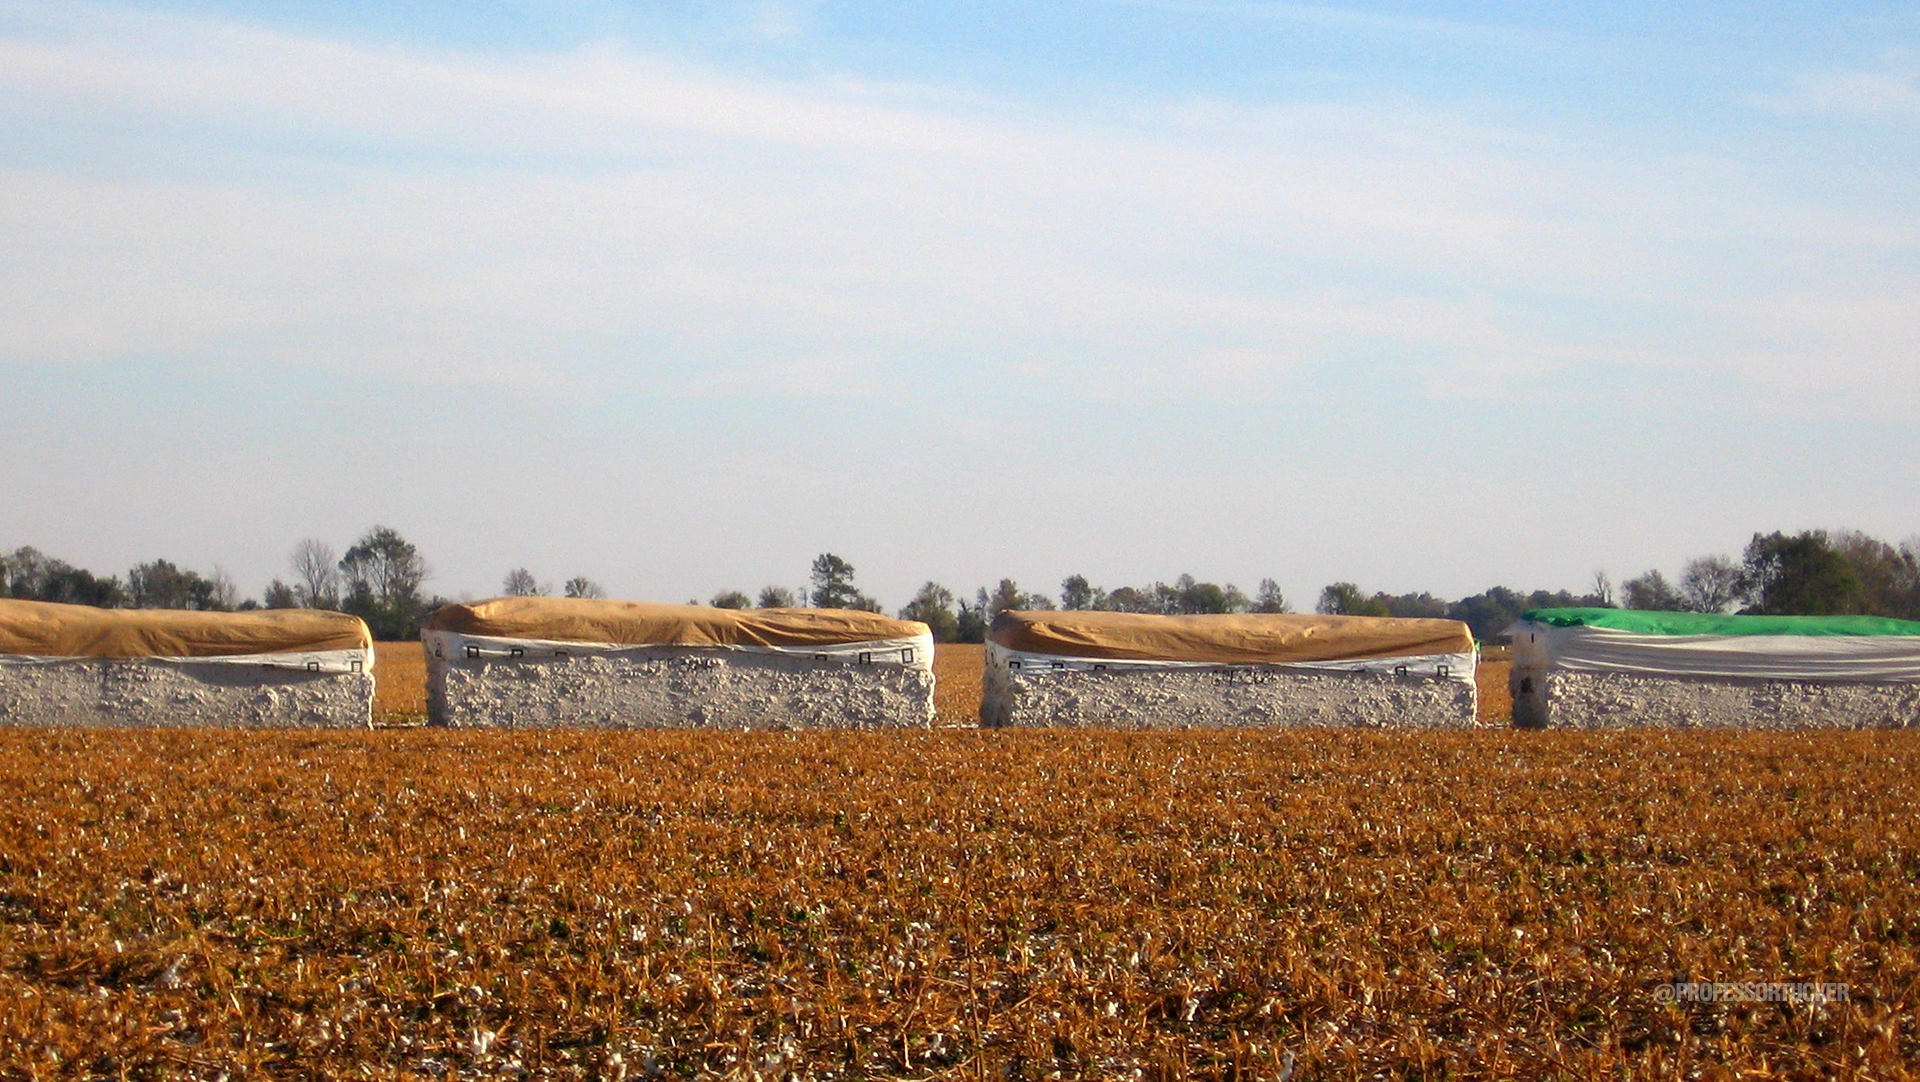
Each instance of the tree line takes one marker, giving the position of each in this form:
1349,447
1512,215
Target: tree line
1813,573
381,578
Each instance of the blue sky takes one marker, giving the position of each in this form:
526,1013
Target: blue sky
679,295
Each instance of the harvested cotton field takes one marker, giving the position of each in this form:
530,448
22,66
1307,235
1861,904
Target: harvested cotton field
957,670
528,663
1138,671
74,665
400,683
964,904
1608,668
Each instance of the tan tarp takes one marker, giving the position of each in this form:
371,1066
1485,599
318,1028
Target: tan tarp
633,623
1250,639
41,629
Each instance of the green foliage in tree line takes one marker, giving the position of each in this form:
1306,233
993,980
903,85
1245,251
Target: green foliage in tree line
833,586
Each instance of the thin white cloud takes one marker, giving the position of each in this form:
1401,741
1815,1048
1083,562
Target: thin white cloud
1879,94
604,215
781,20
1356,20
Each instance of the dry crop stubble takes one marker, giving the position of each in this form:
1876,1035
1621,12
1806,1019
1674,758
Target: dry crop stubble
958,669
958,904
399,683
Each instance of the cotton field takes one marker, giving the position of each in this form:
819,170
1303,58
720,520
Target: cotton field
958,904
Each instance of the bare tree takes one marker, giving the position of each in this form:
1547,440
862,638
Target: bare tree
1710,584
1602,590
582,586
221,590
775,597
316,574
521,583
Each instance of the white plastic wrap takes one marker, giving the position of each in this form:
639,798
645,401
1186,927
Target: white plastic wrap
915,652
320,661
1804,658
1020,663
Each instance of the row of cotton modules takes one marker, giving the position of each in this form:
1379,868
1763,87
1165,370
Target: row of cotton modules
520,663
153,668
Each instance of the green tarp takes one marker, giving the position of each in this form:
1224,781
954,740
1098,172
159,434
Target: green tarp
1696,623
